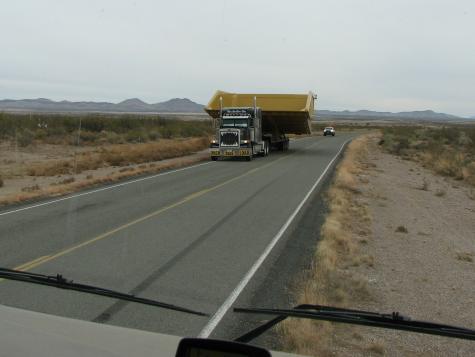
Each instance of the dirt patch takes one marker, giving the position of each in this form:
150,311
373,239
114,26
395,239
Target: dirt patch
415,256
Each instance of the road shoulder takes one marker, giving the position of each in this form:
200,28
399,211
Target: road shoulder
397,238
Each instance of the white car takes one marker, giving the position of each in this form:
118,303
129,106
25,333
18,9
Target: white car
329,130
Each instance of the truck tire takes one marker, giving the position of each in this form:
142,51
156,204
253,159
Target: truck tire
286,145
266,148
263,152
249,158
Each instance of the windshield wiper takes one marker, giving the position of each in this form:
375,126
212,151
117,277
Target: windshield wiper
318,312
58,281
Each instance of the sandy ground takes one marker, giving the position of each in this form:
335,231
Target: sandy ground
14,161
428,272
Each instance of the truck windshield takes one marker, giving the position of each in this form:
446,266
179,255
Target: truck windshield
234,123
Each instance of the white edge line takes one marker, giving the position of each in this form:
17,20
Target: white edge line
219,314
101,189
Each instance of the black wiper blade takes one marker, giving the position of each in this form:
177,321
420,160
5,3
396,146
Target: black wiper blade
58,281
393,320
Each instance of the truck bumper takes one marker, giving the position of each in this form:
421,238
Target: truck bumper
230,152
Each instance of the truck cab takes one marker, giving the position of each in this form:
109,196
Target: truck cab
239,134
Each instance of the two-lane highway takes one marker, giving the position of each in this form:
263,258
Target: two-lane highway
193,237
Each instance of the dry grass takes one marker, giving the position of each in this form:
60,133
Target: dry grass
31,188
448,151
401,229
464,256
376,348
64,182
425,185
330,281
440,192
120,155
367,260
36,192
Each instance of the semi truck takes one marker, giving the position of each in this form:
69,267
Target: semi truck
248,125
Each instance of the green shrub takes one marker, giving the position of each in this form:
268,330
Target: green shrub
448,151
59,128
111,137
167,133
446,135
136,136
401,144
41,134
26,137
154,135
88,136
470,134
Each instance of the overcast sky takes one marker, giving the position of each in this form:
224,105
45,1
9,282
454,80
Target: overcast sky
389,55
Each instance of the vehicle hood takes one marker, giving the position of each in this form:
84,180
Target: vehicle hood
28,333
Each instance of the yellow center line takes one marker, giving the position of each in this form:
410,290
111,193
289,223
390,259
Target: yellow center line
44,259
26,266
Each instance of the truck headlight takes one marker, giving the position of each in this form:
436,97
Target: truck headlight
245,141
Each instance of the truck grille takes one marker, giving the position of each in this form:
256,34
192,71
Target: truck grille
229,138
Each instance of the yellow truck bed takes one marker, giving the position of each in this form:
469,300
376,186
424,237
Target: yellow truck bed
290,113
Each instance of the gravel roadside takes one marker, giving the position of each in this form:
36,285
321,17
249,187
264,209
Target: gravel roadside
423,244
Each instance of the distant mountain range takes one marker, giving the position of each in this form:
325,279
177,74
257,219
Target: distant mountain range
176,105
185,105
368,114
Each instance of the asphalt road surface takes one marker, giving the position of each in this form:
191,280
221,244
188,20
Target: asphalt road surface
199,237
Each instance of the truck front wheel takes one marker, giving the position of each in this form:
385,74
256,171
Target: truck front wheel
266,148
284,145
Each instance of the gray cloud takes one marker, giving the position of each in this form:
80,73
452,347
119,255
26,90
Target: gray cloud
376,54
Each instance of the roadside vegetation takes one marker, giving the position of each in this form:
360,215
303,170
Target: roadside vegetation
103,140
45,154
93,129
330,280
448,150
120,155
